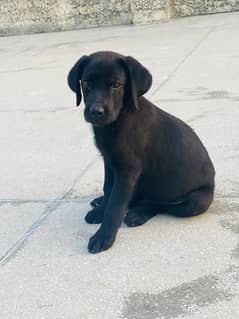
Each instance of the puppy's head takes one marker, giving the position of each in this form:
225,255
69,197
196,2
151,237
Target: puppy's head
110,82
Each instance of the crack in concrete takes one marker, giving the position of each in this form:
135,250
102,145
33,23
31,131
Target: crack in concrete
52,205
181,62
16,201
59,109
28,69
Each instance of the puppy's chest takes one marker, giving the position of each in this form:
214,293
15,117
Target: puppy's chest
113,145
106,141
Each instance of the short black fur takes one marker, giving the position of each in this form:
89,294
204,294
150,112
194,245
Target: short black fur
154,162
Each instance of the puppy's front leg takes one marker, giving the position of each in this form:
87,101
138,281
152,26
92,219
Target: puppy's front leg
96,215
123,189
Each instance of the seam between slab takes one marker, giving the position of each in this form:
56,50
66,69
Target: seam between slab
77,199
47,110
181,62
52,205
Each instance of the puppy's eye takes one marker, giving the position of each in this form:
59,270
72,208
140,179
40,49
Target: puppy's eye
116,85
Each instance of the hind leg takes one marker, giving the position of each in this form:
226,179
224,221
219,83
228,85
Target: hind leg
196,202
140,214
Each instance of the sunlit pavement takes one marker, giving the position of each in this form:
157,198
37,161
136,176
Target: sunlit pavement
50,170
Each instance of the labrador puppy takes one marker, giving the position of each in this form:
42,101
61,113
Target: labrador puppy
154,162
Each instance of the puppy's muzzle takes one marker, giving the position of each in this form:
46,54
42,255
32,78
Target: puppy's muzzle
96,111
95,114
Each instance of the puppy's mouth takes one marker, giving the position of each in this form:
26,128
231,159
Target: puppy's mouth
97,120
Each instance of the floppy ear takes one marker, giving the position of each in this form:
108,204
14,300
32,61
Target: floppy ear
139,79
74,77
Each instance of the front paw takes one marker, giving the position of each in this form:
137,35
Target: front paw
95,216
97,201
100,242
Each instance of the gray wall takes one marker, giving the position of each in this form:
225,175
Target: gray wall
25,16
195,7
29,16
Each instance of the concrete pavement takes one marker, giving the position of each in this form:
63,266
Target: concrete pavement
50,169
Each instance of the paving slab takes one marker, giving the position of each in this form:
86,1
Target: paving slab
38,148
50,170
60,279
16,219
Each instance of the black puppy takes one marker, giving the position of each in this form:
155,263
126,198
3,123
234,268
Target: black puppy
153,161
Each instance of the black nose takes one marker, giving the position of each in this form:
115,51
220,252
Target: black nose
96,110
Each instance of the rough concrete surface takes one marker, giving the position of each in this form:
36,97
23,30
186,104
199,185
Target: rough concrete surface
194,7
50,169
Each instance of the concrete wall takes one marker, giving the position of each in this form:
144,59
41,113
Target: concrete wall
196,7
29,16
145,11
